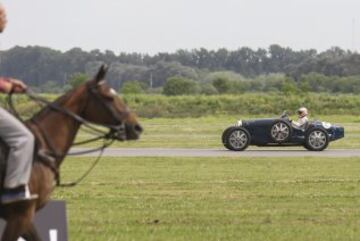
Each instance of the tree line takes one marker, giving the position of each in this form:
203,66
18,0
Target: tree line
213,71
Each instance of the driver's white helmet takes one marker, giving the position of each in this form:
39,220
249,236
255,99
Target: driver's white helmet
302,112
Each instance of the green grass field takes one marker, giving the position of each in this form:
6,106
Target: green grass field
205,132
289,199
273,199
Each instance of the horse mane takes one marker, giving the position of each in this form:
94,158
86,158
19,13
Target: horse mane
59,101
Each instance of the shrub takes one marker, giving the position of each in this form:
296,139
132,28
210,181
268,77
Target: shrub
223,85
78,79
133,87
208,89
180,86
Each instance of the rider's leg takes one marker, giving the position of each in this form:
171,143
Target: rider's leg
21,143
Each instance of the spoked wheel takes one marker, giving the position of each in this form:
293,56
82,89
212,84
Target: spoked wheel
226,133
237,139
280,131
316,140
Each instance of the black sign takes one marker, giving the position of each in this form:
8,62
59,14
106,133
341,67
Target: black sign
50,222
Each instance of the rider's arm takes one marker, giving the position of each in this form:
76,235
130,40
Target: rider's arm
9,84
295,123
301,121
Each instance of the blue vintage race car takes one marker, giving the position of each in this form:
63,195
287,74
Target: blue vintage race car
314,136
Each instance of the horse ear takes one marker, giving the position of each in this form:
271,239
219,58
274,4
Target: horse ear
101,73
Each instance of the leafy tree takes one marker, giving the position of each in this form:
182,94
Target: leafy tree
78,79
223,85
132,87
208,89
230,75
289,87
334,70
304,87
180,86
164,70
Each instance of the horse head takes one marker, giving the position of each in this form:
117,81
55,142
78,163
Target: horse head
105,107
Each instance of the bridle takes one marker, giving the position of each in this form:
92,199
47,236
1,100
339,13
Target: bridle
116,132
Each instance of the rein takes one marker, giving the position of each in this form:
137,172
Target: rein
108,137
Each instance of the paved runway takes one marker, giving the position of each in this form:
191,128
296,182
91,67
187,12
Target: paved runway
263,152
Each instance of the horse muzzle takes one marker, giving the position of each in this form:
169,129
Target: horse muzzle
126,132
133,131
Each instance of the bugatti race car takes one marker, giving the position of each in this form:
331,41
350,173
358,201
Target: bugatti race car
314,136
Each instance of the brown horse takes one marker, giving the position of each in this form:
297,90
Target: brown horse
55,131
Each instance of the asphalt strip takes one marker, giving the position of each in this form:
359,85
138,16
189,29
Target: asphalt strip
179,152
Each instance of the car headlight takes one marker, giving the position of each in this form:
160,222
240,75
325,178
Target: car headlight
326,125
239,123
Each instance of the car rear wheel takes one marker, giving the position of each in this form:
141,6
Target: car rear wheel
316,140
236,139
280,131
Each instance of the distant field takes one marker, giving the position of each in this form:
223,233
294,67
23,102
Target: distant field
196,199
251,104
205,132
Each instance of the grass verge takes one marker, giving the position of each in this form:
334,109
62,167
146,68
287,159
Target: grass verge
195,199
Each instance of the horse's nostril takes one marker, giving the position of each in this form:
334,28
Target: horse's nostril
138,129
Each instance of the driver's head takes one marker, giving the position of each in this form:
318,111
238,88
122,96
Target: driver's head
3,20
302,112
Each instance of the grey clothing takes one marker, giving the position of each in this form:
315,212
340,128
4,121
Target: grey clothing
21,142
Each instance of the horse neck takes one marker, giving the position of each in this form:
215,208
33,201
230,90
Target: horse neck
56,130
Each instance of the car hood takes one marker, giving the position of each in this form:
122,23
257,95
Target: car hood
258,121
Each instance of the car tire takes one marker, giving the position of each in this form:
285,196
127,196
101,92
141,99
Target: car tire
236,138
225,133
316,139
280,131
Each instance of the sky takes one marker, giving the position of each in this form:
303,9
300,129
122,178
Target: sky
152,26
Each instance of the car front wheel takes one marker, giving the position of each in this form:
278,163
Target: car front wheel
237,139
316,140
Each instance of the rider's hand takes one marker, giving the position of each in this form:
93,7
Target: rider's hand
8,85
18,86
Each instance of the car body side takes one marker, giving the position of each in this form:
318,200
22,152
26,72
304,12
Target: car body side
260,129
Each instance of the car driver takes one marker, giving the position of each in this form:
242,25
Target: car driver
303,119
